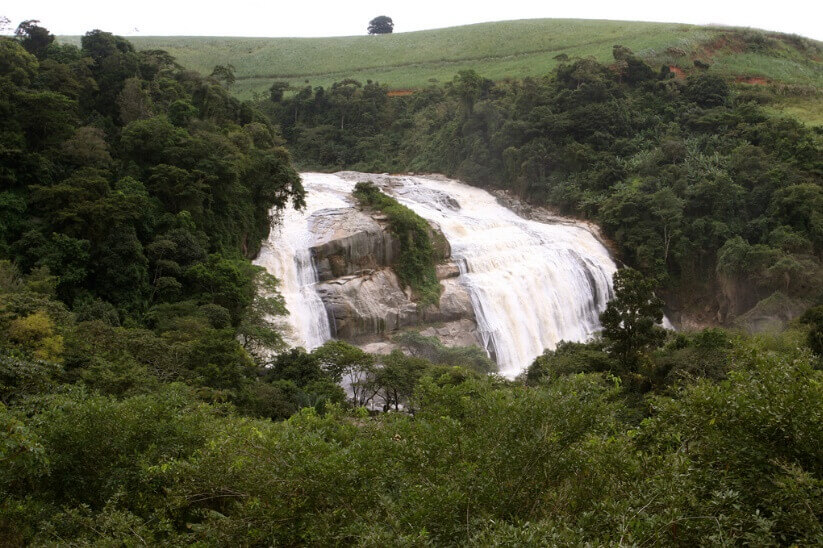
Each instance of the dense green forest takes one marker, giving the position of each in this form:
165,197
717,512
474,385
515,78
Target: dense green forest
139,401
695,182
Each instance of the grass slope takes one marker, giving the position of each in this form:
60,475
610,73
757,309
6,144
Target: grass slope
500,50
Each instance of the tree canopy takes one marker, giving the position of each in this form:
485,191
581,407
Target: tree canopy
631,319
381,25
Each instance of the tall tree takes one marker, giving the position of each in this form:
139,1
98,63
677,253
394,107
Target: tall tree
667,208
277,90
631,317
381,25
469,87
224,74
345,95
34,37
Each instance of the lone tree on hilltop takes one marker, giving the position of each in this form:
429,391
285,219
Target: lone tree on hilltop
381,25
631,317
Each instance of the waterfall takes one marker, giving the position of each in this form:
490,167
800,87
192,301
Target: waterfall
286,256
532,284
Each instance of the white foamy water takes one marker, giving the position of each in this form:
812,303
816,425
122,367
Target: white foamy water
286,256
531,284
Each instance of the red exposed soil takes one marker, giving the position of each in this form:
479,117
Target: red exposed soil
723,41
754,80
677,71
400,92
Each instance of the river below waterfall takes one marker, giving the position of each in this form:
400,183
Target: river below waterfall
531,284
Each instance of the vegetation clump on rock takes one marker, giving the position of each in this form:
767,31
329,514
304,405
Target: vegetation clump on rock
415,266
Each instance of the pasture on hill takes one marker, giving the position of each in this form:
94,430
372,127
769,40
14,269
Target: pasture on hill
499,50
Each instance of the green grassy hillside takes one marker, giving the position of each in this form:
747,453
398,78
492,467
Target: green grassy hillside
500,50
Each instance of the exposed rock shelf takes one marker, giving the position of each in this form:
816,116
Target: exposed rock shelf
373,304
348,241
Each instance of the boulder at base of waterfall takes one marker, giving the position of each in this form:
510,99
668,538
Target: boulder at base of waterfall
366,304
447,270
455,304
457,333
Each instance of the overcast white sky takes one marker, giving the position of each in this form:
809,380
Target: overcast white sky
350,17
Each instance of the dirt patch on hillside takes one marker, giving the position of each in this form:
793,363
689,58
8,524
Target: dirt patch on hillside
677,71
400,92
753,80
725,42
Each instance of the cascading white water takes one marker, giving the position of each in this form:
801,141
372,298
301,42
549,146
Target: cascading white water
531,284
286,256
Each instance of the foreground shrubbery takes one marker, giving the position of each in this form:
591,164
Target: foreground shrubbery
481,460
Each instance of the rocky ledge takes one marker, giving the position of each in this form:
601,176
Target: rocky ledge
353,254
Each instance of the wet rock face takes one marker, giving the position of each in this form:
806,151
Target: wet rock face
447,270
353,254
372,303
367,304
455,304
350,242
456,333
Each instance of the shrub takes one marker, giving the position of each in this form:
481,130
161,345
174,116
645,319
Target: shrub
707,90
567,359
37,331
